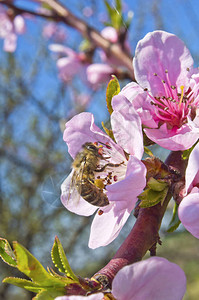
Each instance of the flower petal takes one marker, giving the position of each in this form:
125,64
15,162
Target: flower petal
68,67
10,42
62,49
74,202
152,279
123,197
169,53
126,126
188,212
19,24
106,226
129,188
192,171
98,296
181,139
140,101
99,73
81,129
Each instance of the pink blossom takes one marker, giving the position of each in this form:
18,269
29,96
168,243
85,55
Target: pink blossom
111,34
123,183
152,279
69,65
166,96
98,296
98,74
52,30
188,210
9,28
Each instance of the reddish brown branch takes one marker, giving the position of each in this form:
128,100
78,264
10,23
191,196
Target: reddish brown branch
145,231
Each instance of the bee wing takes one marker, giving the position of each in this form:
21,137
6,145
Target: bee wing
75,184
71,198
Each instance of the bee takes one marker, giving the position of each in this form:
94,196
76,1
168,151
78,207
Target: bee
85,165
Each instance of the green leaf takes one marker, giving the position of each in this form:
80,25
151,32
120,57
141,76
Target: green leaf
43,295
108,8
148,151
31,267
23,283
84,45
113,89
109,132
156,185
115,14
150,197
118,5
6,253
175,221
60,260
50,294
186,153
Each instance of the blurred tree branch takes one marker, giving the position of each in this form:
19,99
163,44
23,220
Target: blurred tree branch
60,13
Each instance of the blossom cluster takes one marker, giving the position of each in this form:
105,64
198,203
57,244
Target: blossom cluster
93,74
10,26
164,102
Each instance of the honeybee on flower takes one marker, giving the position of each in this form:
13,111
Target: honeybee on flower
102,177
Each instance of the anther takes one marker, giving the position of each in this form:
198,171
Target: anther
108,146
115,178
155,74
173,87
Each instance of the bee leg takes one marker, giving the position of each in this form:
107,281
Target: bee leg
108,165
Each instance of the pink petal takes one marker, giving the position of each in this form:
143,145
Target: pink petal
129,188
181,139
81,129
159,51
10,42
192,171
140,101
71,199
110,34
99,73
126,126
19,24
188,213
62,49
106,227
68,67
152,279
98,296
123,197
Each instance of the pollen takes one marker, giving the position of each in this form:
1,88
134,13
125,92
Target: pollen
99,183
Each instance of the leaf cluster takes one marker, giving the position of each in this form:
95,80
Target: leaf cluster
46,284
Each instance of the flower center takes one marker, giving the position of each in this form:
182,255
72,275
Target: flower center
111,167
174,107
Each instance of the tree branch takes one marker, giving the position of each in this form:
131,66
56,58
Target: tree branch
144,233
62,14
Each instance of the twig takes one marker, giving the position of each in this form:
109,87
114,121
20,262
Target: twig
60,13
